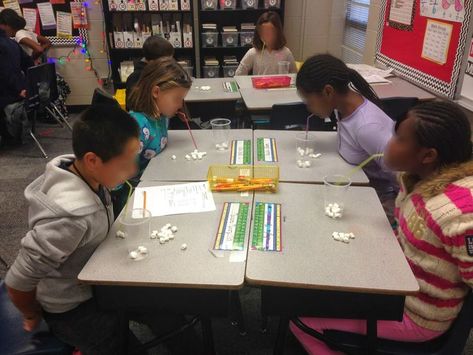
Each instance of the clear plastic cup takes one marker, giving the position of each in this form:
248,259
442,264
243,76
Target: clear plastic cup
221,132
135,224
305,149
283,67
335,191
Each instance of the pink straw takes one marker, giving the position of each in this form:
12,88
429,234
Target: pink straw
183,115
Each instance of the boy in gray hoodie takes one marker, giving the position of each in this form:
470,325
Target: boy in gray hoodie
70,214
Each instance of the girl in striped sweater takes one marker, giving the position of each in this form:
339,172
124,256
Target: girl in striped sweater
434,209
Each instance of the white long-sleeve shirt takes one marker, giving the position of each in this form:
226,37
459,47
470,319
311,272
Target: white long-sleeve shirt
265,62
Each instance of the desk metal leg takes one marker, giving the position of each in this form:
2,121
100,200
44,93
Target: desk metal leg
124,330
281,335
237,312
207,335
264,324
372,335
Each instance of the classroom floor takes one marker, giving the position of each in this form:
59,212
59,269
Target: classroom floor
21,165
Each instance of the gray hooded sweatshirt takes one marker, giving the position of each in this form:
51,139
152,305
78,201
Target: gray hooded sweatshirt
67,221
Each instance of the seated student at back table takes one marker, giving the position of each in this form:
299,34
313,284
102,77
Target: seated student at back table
14,63
33,44
158,95
155,47
269,48
435,213
326,84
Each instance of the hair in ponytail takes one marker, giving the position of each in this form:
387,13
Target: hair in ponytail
325,69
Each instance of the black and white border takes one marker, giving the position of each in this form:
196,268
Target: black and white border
70,42
418,77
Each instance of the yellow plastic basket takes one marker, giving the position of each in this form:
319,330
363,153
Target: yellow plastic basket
245,175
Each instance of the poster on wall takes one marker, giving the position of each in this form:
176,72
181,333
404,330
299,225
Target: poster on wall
467,88
449,10
437,41
31,18
401,14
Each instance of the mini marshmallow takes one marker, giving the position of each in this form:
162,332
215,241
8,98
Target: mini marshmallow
225,145
142,250
162,241
184,246
133,254
351,235
120,234
173,157
171,237
174,229
188,157
195,151
307,164
168,225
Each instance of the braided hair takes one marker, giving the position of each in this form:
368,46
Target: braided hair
443,126
325,69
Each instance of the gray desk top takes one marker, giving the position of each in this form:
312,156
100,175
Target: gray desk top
216,92
166,265
262,99
329,163
371,263
162,168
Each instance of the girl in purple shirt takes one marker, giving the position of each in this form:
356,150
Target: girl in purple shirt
327,85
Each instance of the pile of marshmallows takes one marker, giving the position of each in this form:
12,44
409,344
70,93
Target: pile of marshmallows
221,146
343,237
308,152
333,210
195,155
166,234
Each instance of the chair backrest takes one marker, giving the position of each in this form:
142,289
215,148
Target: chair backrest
102,97
294,117
397,107
459,332
41,85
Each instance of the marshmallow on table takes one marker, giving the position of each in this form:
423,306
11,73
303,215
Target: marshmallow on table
184,246
173,157
333,210
165,234
343,237
120,234
221,146
195,155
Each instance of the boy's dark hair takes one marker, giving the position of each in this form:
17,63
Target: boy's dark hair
273,18
445,127
156,47
325,69
103,130
11,18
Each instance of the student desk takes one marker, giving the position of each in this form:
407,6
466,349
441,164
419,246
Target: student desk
208,104
329,163
216,92
163,168
316,276
264,99
169,280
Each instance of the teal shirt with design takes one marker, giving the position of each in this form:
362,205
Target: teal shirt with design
153,137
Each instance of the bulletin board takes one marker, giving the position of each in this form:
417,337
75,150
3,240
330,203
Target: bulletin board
78,34
426,42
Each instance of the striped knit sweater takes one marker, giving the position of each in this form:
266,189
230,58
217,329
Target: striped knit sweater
435,231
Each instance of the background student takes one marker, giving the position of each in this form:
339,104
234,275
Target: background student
269,48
